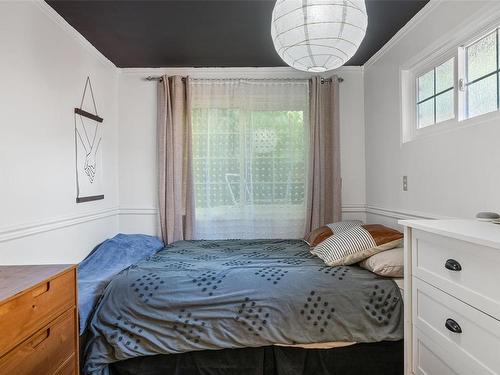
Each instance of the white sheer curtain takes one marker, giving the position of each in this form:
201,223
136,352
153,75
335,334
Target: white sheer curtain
250,148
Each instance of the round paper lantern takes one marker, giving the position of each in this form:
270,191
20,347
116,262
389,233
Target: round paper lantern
318,35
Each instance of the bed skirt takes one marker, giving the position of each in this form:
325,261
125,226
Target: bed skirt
382,358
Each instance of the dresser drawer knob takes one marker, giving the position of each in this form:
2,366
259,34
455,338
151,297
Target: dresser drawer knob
453,326
453,265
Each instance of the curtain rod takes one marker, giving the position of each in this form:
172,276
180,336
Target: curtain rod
159,78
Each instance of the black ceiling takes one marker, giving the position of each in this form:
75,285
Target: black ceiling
206,33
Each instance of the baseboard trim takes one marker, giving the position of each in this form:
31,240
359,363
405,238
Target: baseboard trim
29,229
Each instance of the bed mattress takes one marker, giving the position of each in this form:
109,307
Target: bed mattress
209,295
338,344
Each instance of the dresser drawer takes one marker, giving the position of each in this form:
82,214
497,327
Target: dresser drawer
426,358
68,368
27,312
475,350
46,351
476,279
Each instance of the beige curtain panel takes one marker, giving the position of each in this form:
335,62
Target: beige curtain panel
175,159
324,182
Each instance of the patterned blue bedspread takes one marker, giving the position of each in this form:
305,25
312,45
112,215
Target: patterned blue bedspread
198,295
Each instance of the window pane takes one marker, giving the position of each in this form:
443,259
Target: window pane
426,113
444,76
426,85
482,96
223,145
260,170
444,106
274,148
481,57
260,193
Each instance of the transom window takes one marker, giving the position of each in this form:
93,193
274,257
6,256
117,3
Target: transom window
481,71
435,95
452,86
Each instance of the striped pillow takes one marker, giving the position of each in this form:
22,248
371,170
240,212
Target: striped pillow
320,234
342,226
357,243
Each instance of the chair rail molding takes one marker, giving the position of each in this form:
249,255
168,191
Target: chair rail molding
138,211
13,232
40,226
402,214
354,207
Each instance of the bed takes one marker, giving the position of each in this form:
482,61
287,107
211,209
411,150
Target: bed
199,301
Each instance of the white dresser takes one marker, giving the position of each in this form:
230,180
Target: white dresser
452,297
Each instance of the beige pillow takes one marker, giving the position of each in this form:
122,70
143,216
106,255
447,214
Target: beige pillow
388,263
357,244
320,234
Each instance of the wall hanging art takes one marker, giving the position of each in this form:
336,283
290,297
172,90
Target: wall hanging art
88,144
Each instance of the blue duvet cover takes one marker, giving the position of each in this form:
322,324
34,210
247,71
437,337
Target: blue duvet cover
198,295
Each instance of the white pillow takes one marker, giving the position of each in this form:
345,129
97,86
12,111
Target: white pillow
388,263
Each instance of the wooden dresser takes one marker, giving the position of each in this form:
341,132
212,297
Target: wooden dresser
452,297
38,320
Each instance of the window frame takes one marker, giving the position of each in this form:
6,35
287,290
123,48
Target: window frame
409,104
242,158
463,81
442,61
452,44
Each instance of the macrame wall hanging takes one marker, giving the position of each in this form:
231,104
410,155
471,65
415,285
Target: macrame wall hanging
88,143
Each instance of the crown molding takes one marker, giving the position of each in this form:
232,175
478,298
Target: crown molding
280,71
407,28
250,71
478,22
23,230
72,32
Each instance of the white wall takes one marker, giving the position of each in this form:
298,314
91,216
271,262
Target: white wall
44,64
43,67
137,112
454,174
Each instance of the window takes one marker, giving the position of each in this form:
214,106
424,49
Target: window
457,85
250,146
248,158
435,95
481,74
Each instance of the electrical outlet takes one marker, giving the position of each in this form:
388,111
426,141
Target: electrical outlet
405,183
